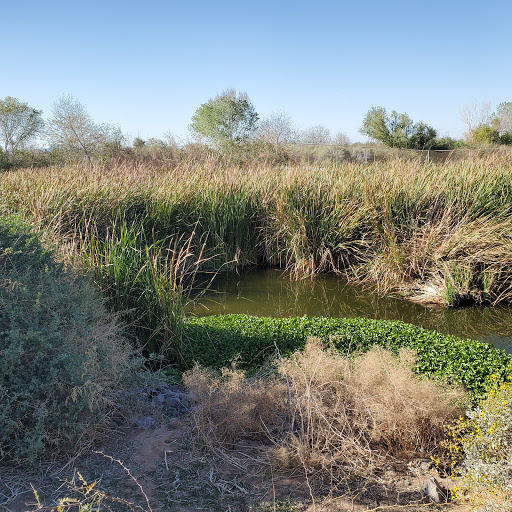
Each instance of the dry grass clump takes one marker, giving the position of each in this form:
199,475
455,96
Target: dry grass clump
324,411
231,407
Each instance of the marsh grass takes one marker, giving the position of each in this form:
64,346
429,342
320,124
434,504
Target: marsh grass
150,281
433,232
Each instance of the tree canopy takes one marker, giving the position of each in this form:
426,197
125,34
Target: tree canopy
502,118
72,129
225,121
276,129
397,130
18,123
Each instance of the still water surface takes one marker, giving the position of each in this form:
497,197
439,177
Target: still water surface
269,293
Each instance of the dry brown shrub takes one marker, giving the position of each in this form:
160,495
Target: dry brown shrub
325,411
406,414
231,407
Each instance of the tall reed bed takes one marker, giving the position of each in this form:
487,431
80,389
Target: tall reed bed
433,232
149,281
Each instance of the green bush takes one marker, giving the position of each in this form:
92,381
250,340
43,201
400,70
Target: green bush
4,160
62,358
216,340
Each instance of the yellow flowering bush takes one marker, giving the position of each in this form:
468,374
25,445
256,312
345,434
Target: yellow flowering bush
484,441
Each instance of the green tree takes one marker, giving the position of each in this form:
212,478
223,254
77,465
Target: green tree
18,123
447,143
225,121
484,134
73,131
501,120
397,130
506,138
423,136
375,125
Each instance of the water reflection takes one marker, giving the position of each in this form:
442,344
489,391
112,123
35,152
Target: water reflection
268,293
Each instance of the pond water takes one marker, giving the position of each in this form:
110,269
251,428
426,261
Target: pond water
269,293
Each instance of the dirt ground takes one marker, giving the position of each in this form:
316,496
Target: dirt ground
164,468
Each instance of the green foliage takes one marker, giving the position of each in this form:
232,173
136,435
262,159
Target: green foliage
216,340
423,137
4,160
375,125
18,123
397,130
484,134
447,143
506,138
148,281
226,121
62,357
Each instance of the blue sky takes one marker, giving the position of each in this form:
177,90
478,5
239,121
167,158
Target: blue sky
147,66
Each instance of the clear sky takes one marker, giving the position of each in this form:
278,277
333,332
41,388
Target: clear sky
146,66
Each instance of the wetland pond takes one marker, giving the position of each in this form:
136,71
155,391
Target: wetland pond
271,293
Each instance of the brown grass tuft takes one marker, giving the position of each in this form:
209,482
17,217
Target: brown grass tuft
231,407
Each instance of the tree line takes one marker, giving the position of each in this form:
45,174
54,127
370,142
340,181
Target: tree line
226,124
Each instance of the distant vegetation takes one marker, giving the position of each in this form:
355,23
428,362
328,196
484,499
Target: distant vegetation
229,125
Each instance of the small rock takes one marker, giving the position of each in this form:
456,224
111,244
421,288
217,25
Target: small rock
433,489
175,424
425,465
159,399
146,423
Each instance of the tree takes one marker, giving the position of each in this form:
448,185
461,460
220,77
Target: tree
475,115
276,129
341,139
484,134
423,136
397,130
72,130
317,134
375,125
18,123
447,143
502,119
226,121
